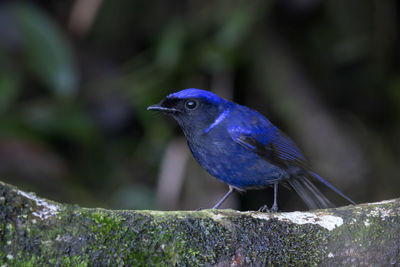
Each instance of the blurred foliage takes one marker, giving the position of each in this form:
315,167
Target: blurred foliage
73,119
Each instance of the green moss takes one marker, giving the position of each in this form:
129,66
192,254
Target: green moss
78,237
66,261
365,227
369,237
176,238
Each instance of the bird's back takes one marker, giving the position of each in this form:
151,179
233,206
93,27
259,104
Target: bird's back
230,162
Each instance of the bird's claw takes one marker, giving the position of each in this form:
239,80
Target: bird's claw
263,208
266,209
274,209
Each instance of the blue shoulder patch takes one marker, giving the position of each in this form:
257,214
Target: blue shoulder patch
197,93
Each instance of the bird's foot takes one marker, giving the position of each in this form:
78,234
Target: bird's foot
263,209
274,209
266,209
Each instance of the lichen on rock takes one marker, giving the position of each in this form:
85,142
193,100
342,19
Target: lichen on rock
39,232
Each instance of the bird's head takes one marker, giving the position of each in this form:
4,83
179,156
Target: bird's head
193,109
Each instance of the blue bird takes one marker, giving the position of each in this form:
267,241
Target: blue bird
241,147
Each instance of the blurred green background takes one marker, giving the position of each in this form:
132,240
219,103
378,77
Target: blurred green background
76,78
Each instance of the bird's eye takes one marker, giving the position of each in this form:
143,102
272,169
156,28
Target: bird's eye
191,104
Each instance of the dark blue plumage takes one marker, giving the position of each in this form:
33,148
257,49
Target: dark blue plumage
240,147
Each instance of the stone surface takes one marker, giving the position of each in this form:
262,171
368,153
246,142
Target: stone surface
39,232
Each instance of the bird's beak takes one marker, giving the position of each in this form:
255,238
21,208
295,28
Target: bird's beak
157,107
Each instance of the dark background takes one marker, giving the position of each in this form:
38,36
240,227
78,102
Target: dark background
76,78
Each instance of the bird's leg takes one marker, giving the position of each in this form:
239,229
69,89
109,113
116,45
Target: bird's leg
275,205
224,198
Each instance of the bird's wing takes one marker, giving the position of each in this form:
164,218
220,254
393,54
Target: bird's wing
277,149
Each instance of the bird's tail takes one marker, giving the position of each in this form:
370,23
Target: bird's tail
310,194
337,191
